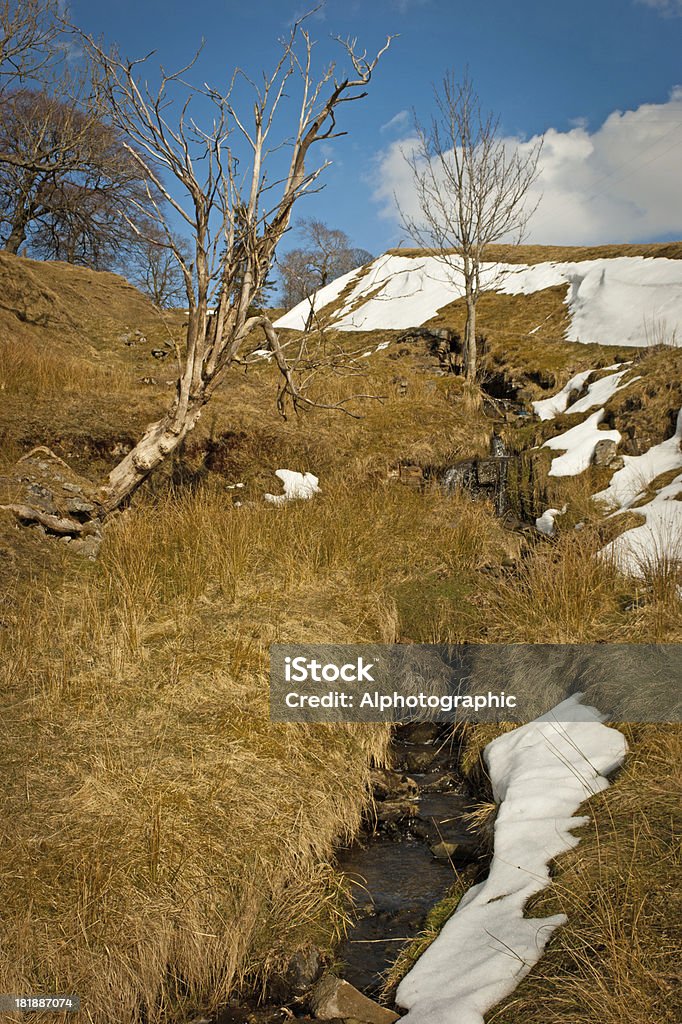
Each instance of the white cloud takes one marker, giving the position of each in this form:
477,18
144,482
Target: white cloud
667,7
619,183
398,121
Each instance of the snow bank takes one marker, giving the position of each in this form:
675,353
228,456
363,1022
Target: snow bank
578,445
541,773
297,318
659,539
627,300
550,408
657,543
597,393
297,486
600,392
630,482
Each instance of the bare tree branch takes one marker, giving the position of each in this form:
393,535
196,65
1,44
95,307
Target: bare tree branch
194,168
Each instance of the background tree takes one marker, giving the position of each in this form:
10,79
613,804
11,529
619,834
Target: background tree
156,271
68,176
326,254
28,37
235,196
471,188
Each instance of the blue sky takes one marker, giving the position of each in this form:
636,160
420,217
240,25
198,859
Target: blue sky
599,75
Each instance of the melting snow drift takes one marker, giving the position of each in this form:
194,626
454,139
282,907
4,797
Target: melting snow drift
541,773
625,300
658,541
578,445
297,486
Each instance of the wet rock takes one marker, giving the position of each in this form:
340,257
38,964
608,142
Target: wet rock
421,732
301,973
390,785
333,998
393,812
304,969
419,760
447,850
488,472
441,782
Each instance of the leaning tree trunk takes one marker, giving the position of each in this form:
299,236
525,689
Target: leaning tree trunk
159,441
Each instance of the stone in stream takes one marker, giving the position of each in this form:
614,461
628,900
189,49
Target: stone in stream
421,732
446,851
389,785
333,998
301,973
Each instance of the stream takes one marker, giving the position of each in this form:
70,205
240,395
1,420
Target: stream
402,864
396,877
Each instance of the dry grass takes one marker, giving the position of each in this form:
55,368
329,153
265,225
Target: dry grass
162,840
562,593
31,371
163,843
566,253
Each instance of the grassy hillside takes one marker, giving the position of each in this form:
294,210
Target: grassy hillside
161,840
566,253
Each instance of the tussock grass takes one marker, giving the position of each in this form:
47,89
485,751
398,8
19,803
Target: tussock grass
164,843
562,593
30,370
171,841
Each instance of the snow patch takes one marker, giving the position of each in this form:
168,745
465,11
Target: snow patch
625,300
297,487
578,445
545,522
600,392
630,482
540,773
297,318
658,541
550,408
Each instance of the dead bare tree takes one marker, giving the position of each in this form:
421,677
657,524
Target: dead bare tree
471,189
235,213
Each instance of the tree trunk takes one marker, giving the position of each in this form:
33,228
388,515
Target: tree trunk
17,235
470,339
159,441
